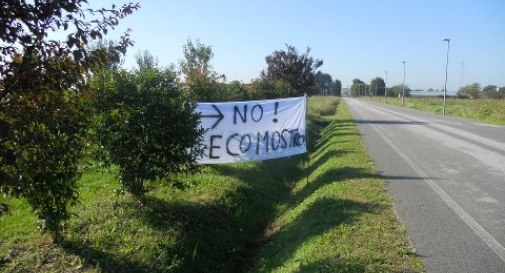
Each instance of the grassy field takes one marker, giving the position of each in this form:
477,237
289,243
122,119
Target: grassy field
483,110
322,212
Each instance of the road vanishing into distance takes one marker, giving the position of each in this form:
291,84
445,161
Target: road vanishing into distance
447,178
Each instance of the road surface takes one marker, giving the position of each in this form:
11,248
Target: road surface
447,178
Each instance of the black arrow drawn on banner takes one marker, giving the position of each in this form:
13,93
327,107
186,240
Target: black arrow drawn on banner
219,116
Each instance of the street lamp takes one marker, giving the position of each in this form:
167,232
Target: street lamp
376,86
385,87
446,66
403,84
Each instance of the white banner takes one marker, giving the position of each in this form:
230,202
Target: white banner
253,130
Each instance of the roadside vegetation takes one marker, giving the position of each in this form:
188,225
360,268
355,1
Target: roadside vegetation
491,111
67,104
485,104
339,217
98,169
322,212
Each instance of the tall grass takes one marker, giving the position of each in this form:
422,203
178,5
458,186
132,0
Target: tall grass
483,110
210,226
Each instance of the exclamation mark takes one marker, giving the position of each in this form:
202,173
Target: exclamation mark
276,107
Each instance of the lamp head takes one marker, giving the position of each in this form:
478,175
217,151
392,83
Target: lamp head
446,40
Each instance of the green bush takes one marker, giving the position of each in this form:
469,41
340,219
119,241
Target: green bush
43,95
145,126
484,111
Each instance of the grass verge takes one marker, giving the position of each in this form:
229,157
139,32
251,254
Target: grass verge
482,110
329,214
340,218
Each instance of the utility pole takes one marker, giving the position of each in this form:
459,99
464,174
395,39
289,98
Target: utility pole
385,87
446,66
403,84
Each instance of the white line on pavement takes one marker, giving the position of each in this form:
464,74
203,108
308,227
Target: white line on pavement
476,227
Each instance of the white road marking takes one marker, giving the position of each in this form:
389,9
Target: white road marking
476,227
490,158
465,134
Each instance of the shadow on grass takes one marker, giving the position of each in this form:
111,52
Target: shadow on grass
332,131
329,177
267,179
322,138
321,216
190,238
327,155
218,237
107,262
211,238
342,174
226,237
269,185
334,266
324,213
347,266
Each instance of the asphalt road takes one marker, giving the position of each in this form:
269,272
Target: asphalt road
447,178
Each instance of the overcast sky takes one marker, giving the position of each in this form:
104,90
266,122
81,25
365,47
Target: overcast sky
355,39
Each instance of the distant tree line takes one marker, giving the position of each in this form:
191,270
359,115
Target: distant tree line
377,87
326,86
474,91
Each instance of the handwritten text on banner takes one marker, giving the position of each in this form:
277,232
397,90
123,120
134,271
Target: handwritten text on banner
253,130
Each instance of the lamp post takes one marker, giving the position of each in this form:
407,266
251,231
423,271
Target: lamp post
446,66
403,84
385,87
376,86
